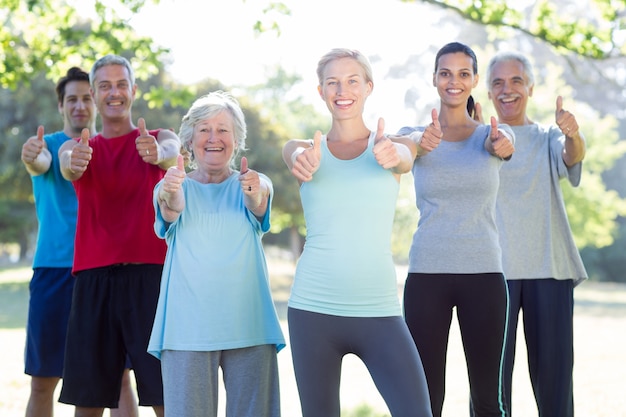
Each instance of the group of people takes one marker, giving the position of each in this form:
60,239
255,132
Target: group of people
156,264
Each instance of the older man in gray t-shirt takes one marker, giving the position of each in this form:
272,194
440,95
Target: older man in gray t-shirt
540,260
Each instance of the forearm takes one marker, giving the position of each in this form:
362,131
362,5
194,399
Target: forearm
574,150
290,148
258,204
65,165
40,165
171,204
169,150
407,156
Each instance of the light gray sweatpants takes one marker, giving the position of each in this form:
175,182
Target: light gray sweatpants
190,382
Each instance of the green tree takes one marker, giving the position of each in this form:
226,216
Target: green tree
48,36
592,29
291,118
22,110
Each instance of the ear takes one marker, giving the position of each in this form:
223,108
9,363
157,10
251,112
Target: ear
60,108
434,80
476,78
320,91
134,90
370,87
530,91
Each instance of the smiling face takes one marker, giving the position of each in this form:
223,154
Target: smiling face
213,143
509,90
78,109
455,78
344,88
113,92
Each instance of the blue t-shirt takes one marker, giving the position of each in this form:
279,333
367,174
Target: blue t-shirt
346,267
215,292
56,206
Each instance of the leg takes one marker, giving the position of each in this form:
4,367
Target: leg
127,406
482,312
190,383
46,329
88,412
428,314
548,327
387,349
40,402
515,299
251,381
137,293
316,361
94,355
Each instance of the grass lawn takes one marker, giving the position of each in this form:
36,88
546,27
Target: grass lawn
600,356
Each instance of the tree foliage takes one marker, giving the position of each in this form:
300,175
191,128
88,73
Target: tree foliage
593,29
49,37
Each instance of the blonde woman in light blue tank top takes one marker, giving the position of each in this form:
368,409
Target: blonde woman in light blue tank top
344,298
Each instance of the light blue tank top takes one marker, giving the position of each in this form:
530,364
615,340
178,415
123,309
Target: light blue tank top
346,268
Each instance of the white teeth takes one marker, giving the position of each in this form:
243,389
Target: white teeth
343,102
454,91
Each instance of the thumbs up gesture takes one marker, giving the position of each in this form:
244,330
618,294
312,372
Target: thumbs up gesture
565,120
174,176
254,190
431,138
147,146
33,147
385,151
498,143
81,153
35,154
306,161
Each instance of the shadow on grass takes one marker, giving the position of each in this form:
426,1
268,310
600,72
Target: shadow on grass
13,304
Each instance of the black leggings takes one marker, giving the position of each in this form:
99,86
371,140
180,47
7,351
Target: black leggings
319,342
481,307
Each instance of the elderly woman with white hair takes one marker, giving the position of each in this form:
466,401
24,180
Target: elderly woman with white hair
215,308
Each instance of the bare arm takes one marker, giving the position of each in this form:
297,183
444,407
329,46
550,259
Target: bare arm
170,193
74,157
169,147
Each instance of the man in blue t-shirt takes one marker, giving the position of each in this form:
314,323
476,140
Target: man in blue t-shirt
52,283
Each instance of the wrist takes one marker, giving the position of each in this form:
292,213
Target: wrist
295,154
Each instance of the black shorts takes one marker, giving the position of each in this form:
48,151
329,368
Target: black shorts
111,320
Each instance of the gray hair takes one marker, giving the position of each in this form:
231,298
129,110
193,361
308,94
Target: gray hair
339,53
511,56
209,106
111,60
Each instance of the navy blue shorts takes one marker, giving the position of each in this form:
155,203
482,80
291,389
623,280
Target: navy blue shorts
111,319
46,328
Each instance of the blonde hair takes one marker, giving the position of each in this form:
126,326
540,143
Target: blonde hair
339,53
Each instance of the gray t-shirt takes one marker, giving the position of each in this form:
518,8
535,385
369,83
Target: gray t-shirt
455,191
534,230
